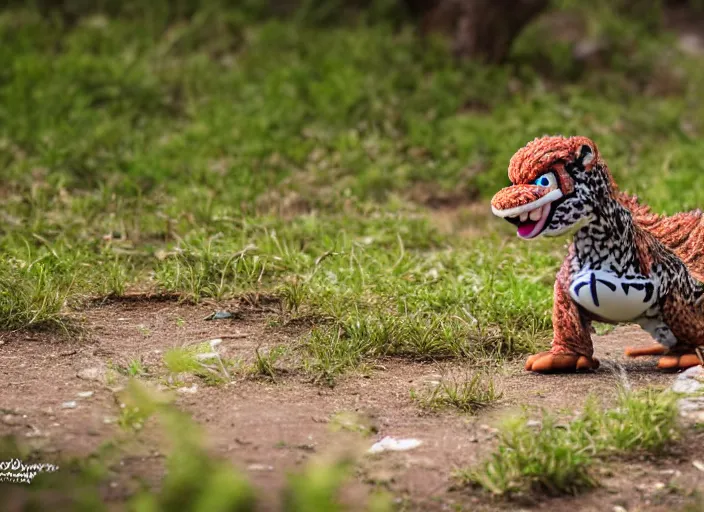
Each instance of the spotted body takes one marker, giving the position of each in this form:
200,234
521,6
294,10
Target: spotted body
625,264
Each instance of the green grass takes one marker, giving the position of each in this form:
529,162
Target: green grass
202,360
558,458
468,394
228,152
265,362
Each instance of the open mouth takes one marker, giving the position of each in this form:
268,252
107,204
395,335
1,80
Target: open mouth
532,218
531,224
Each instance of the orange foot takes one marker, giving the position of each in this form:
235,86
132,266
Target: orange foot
547,362
666,362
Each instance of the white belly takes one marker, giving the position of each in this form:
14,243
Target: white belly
613,298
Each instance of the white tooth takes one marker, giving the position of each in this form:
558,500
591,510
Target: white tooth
524,216
536,214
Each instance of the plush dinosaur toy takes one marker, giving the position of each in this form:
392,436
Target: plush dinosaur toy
625,265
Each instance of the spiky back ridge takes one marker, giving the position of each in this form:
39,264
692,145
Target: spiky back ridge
682,233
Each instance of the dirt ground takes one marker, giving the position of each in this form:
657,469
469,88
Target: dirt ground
268,428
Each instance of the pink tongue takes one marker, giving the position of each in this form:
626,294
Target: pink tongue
527,228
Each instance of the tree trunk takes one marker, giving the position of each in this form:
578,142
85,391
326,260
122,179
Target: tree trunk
481,29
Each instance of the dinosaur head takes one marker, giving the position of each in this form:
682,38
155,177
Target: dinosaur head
555,183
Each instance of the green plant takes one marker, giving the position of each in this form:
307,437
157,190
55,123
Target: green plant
201,360
468,394
556,458
134,368
265,363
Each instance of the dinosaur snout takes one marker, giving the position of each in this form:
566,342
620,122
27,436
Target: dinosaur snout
526,206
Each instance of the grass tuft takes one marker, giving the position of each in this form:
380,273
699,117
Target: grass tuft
555,458
201,360
265,362
467,395
32,293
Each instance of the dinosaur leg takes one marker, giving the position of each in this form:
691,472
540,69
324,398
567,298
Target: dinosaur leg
661,333
654,350
666,362
666,341
678,361
572,348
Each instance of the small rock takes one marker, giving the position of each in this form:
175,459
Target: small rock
668,472
688,387
490,432
695,372
691,404
698,464
691,44
689,381
85,394
191,390
533,423
396,445
11,419
95,374
35,433
109,419
71,404
220,315
619,508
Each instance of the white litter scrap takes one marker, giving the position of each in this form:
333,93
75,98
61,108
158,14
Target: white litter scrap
394,445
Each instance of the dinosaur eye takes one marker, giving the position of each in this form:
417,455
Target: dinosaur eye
546,180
